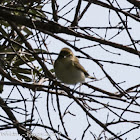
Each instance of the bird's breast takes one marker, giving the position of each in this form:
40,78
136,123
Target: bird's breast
67,73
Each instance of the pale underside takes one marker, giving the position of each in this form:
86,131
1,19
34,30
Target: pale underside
67,73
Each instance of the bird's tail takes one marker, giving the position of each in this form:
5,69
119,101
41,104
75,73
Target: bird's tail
91,77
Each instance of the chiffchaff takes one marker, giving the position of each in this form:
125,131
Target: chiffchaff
68,69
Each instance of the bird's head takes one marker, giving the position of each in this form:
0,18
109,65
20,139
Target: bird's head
65,52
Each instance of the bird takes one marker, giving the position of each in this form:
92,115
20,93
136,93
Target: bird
68,68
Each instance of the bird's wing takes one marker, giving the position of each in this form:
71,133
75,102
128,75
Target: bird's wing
79,66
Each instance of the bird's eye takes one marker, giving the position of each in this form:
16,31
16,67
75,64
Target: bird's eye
69,55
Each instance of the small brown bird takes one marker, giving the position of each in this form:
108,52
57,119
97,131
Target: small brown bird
68,69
